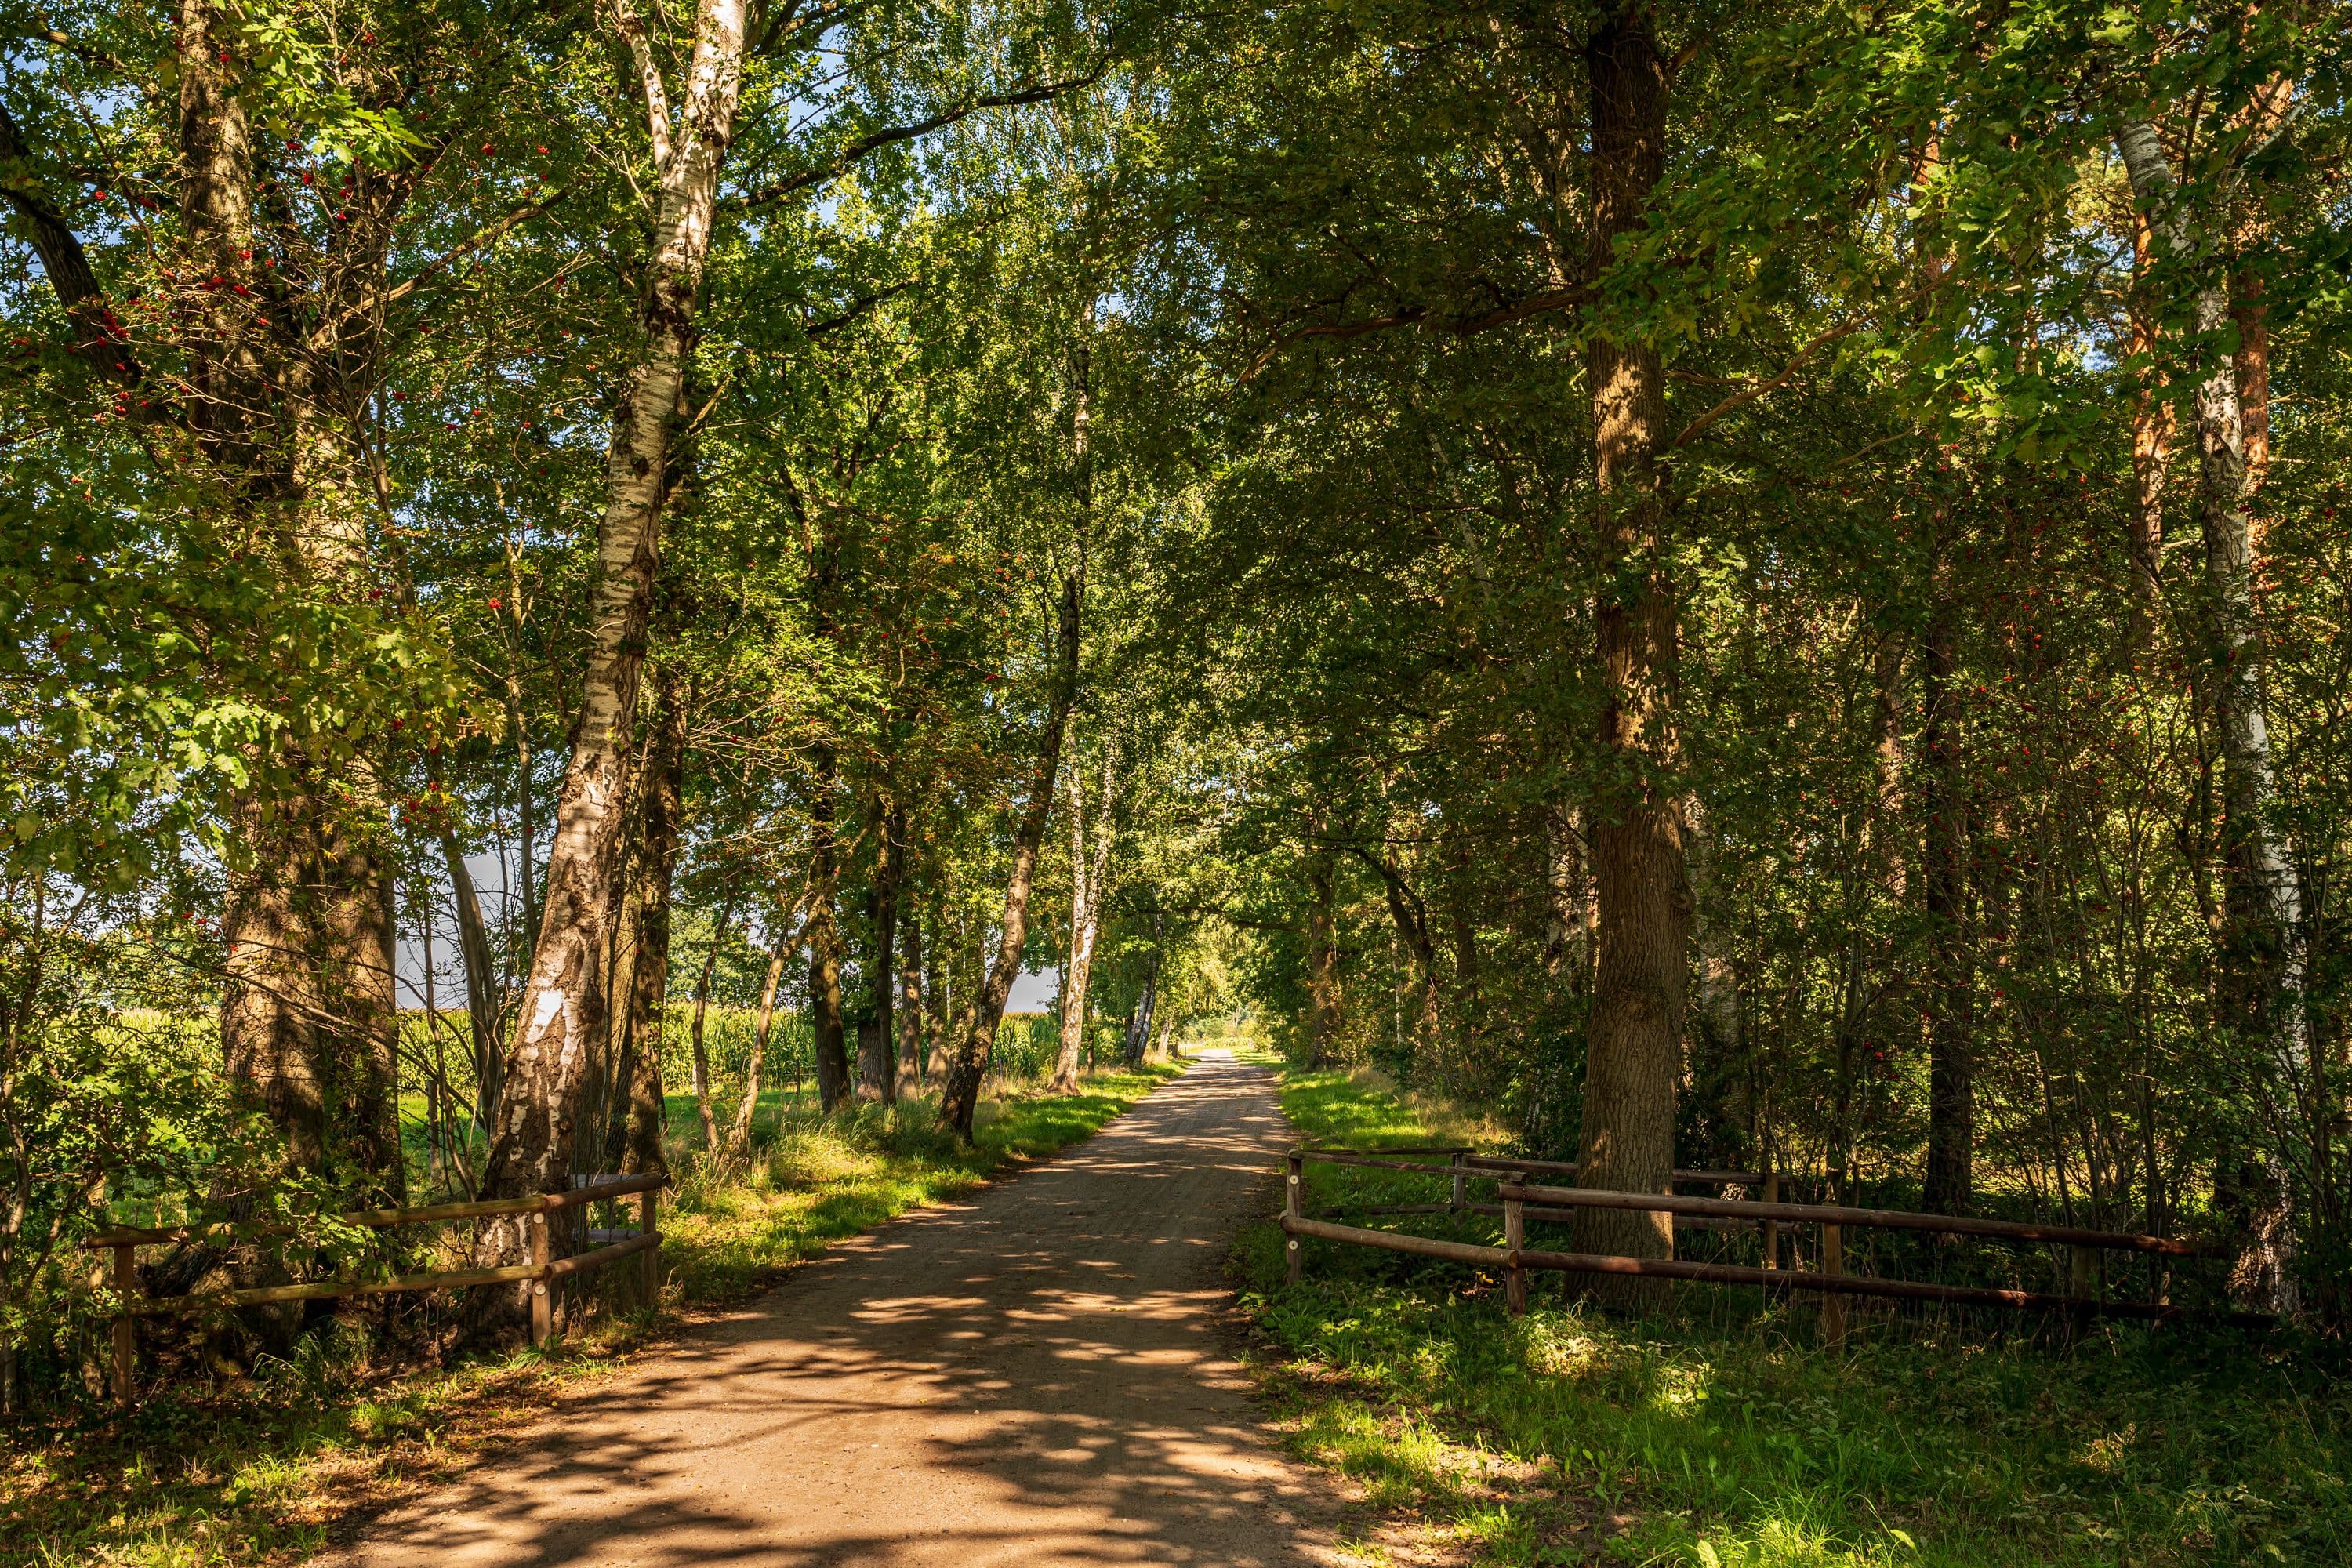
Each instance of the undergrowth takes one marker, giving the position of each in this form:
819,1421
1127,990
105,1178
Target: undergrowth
1723,1434
257,1468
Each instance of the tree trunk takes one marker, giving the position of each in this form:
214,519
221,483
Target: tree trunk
563,1008
910,1003
877,1072
2151,454
309,1016
1567,908
1322,955
833,1083
1139,1028
1088,875
960,1098
481,979
1951,1019
1634,1040
739,1138
1412,922
660,820
699,1056
2261,961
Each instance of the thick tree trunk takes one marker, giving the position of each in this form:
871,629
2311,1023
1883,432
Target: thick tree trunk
564,1007
309,1016
877,1071
1951,962
960,1098
1634,1040
2262,957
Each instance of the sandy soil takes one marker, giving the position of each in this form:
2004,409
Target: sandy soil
1037,1376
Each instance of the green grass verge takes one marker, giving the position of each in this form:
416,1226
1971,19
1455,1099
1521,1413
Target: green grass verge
1722,1435
251,1470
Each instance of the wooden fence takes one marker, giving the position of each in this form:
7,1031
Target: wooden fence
543,1268
1518,1200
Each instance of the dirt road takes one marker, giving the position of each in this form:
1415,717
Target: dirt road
1033,1377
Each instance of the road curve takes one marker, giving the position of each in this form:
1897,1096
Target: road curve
1034,1376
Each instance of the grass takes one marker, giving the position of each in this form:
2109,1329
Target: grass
257,1470
1722,1434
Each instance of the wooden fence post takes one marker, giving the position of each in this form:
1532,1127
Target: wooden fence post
1515,1236
1771,1226
2082,1277
648,1221
126,1338
1294,1206
543,1310
1460,1185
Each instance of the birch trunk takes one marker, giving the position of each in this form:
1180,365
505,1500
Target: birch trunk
564,1007
960,1098
1633,1054
2262,928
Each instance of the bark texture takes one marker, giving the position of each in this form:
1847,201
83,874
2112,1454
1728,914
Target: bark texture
1633,1046
2261,938
564,1007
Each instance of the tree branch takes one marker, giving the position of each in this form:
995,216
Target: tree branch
874,141
99,338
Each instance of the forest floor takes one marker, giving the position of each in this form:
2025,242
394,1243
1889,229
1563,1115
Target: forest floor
1723,1434
265,1469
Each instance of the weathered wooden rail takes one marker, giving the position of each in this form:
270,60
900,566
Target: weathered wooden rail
543,1267
1520,1200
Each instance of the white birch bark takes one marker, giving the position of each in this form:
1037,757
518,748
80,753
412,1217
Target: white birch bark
2223,513
563,1005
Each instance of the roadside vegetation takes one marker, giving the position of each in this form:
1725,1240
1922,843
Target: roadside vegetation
1724,1434
259,1468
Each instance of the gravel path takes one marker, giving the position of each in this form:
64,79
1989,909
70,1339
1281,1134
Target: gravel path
1034,1376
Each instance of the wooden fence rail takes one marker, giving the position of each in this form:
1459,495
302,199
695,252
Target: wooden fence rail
1522,1201
543,1268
